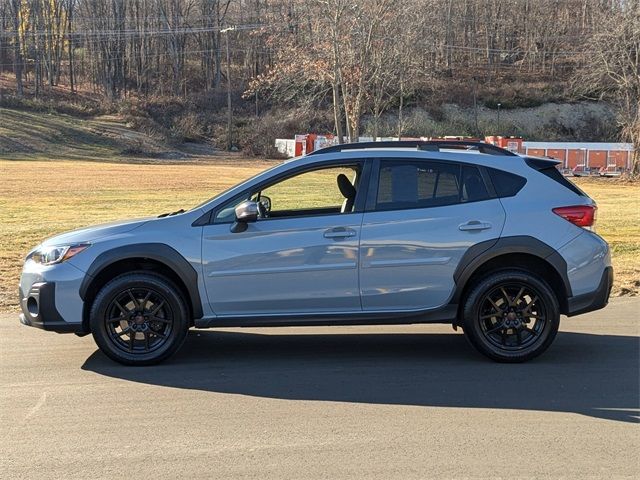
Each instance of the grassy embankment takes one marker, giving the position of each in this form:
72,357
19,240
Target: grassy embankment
41,198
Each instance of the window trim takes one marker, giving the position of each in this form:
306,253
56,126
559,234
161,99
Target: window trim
372,193
359,204
486,178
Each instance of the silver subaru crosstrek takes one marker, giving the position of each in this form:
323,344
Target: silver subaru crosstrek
465,233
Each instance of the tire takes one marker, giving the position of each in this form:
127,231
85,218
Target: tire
139,318
511,316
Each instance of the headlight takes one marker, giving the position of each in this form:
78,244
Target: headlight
56,254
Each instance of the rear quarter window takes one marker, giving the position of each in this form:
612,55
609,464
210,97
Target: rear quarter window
506,184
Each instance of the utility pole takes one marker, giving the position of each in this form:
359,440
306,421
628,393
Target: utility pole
229,118
499,132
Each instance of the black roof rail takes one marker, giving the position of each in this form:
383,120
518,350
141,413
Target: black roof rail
428,145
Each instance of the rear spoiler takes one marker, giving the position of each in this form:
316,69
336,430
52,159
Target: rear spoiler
541,163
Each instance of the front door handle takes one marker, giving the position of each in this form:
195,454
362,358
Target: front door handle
474,225
339,232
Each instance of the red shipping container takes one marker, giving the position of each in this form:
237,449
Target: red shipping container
597,158
535,152
513,144
559,154
576,157
619,158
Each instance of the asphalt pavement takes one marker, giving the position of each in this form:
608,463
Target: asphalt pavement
336,403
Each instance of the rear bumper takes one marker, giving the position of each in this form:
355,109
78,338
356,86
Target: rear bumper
599,298
39,310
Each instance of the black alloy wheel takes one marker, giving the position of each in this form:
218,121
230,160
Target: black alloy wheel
511,315
139,318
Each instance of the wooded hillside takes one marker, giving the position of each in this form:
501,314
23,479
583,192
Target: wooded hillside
353,59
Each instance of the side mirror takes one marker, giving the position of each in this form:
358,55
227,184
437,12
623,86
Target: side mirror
246,212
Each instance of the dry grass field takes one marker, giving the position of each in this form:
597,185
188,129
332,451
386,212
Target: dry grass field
41,198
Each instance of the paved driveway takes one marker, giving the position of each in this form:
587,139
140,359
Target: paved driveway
375,402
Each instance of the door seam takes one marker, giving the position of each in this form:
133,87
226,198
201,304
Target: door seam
360,259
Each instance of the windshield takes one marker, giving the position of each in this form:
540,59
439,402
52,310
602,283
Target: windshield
264,172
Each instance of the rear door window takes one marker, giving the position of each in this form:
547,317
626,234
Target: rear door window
473,186
423,184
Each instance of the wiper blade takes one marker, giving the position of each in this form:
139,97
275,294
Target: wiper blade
182,210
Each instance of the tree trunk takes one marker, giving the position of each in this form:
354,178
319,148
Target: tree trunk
229,111
400,105
376,121
17,48
217,77
337,112
70,42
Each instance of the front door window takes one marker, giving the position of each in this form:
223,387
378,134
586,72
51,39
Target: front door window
323,191
330,190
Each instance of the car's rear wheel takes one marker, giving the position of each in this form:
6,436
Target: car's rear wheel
511,316
139,318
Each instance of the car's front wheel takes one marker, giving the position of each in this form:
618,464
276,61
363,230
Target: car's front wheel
139,318
511,316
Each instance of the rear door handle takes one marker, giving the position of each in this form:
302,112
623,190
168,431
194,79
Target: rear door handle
474,225
339,232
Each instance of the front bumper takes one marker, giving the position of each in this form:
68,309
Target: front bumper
588,302
39,309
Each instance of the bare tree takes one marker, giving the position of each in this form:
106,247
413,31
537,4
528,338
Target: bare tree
356,58
213,16
105,39
14,7
70,10
612,70
339,9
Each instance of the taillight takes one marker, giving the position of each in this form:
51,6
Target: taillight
580,215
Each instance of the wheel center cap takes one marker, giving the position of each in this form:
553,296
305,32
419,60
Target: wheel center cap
139,319
511,316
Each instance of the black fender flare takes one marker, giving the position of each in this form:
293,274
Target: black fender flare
482,252
159,252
